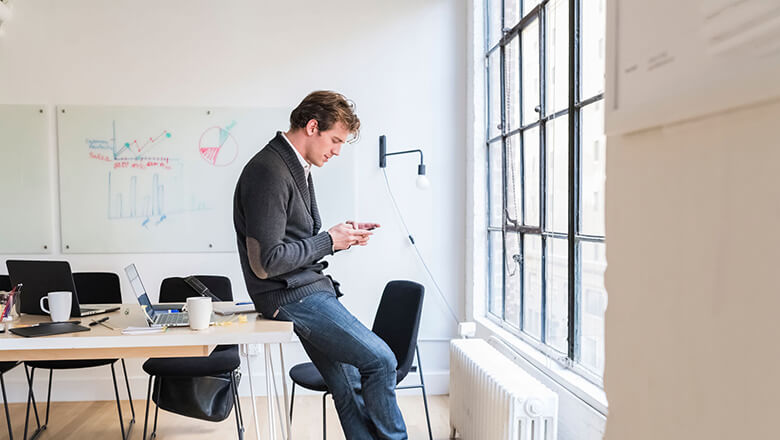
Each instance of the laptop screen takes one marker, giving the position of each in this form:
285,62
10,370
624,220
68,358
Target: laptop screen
39,278
140,291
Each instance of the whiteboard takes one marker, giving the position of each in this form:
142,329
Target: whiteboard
155,179
669,60
25,184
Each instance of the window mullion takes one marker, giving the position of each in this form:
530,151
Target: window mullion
521,168
574,69
502,67
543,163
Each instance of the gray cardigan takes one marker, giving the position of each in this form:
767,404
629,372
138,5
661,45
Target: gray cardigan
277,227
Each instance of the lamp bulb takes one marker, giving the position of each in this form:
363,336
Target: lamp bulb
423,182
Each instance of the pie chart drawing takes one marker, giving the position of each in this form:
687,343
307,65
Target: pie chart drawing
218,147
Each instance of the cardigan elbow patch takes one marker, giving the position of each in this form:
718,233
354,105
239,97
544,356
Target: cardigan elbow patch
253,254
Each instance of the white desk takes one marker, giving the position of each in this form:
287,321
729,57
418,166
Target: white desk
102,343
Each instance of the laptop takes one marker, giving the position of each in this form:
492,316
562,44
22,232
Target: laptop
40,278
153,317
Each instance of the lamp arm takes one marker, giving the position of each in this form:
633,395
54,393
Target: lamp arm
408,151
383,155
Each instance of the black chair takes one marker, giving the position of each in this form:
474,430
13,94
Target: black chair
94,288
175,289
223,360
397,321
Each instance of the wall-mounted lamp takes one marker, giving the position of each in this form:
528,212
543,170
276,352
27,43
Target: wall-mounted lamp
422,181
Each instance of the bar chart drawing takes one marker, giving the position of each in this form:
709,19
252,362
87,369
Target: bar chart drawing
125,204
144,200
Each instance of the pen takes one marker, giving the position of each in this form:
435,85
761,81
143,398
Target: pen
99,321
243,303
107,326
10,300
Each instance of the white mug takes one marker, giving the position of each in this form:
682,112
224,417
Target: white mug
59,303
199,309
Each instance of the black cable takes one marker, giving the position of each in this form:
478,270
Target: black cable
414,245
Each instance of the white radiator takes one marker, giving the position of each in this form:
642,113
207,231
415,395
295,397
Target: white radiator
491,397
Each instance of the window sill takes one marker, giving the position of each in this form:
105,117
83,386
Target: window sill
582,388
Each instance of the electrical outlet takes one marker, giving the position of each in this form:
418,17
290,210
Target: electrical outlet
467,329
254,350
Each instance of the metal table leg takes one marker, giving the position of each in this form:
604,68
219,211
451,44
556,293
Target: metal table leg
287,412
245,352
269,392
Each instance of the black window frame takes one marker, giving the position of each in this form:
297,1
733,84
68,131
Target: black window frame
573,235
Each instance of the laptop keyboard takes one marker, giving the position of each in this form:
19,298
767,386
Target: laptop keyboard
172,319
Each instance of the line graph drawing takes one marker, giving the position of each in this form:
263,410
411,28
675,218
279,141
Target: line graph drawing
134,151
217,146
153,141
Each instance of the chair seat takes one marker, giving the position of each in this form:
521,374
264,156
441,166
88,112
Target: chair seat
5,366
221,360
70,364
308,376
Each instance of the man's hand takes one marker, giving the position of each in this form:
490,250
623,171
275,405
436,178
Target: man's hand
345,235
363,227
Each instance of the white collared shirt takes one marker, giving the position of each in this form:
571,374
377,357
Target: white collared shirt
306,165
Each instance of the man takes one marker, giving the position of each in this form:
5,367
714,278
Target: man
280,247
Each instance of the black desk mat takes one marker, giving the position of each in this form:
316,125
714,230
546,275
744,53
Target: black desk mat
49,328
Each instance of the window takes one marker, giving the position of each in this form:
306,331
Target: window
545,145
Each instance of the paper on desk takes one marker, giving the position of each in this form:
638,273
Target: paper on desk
142,330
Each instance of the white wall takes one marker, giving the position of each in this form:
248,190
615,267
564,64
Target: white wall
401,62
691,328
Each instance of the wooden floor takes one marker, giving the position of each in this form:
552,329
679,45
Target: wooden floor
99,420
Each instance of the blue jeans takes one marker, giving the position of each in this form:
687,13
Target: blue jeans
358,366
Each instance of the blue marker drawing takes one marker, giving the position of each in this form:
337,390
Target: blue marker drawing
130,198
225,132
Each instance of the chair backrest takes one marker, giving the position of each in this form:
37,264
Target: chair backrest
5,366
97,287
5,283
175,289
397,321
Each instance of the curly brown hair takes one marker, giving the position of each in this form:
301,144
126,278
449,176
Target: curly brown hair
327,108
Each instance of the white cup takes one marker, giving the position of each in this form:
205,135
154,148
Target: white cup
199,309
59,303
